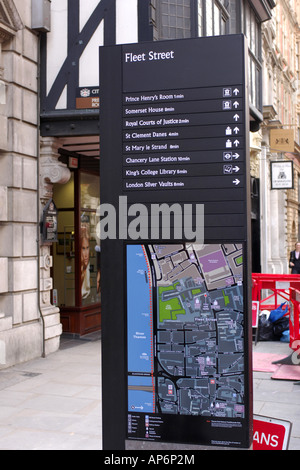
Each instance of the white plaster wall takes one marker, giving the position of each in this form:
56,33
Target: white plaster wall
57,47
89,60
86,9
126,32
127,21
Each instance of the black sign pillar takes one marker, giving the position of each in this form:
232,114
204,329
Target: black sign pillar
176,312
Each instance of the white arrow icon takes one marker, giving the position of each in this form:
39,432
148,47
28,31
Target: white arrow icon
236,142
236,168
236,91
236,130
236,104
236,117
236,182
236,155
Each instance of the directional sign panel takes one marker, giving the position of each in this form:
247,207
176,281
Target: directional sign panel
178,111
176,313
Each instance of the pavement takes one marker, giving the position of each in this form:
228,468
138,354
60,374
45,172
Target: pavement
279,399
54,403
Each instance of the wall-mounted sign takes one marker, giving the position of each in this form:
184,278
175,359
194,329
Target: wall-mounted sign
49,223
73,162
282,140
282,174
87,98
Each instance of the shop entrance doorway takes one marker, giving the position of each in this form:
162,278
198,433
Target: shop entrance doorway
76,256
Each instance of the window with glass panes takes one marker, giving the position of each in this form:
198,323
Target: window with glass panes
177,19
215,15
251,27
174,19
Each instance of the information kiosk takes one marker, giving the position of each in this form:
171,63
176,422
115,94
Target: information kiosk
175,261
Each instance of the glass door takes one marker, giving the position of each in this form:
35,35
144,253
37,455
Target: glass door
89,241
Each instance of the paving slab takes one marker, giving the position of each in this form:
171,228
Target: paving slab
54,403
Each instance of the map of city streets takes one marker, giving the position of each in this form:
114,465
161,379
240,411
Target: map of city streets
185,334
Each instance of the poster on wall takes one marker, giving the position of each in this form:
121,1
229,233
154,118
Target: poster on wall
49,223
85,237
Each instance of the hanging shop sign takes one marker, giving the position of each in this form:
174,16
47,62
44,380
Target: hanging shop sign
282,174
49,223
282,140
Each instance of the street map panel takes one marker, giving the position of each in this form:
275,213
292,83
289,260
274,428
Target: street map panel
185,329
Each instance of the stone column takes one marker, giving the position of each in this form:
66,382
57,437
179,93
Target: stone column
3,146
52,171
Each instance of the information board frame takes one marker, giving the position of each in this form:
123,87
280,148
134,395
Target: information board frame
119,69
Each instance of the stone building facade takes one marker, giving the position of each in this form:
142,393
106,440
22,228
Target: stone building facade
279,208
29,326
50,145
21,332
